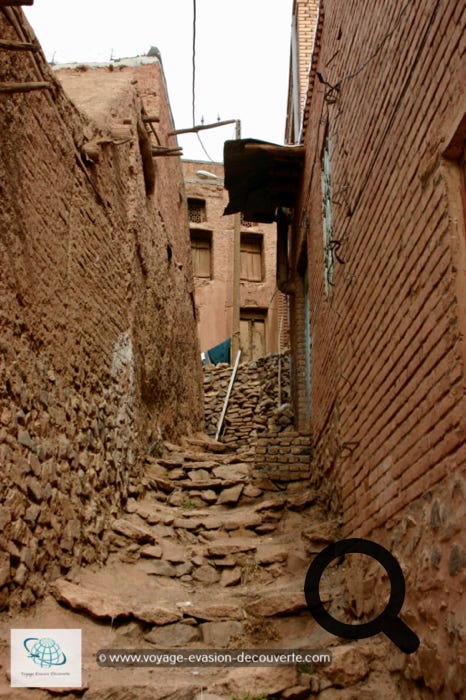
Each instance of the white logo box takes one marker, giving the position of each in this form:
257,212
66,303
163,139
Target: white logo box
46,658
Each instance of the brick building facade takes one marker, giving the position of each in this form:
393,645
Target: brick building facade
378,317
99,357
263,311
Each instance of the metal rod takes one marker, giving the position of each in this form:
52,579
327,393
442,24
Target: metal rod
227,397
194,129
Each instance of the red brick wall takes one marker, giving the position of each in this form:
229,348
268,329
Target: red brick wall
99,358
388,376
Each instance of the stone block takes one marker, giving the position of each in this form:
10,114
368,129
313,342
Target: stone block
219,634
4,568
230,495
175,635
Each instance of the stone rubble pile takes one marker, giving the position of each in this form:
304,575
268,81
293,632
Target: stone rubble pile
255,405
213,559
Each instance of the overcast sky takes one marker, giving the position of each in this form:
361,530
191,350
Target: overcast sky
242,56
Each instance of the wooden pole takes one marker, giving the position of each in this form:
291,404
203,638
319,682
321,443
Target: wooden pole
235,335
194,129
16,3
150,120
18,46
279,362
23,87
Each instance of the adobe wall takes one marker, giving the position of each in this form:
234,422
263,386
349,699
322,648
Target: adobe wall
388,411
99,357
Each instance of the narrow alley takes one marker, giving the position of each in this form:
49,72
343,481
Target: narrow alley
217,374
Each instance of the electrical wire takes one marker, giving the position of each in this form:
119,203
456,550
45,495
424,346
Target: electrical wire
194,63
194,81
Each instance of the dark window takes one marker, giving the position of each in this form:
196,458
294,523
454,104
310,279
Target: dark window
196,210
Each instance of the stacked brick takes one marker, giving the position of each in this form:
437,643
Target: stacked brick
283,457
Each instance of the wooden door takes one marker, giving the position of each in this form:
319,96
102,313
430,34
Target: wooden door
252,336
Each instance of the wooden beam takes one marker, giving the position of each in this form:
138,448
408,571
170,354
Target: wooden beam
16,3
150,120
162,151
23,87
167,153
18,46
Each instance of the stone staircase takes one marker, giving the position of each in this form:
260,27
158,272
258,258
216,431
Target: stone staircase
209,558
227,543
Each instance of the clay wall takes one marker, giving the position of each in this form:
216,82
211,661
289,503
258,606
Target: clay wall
99,356
387,331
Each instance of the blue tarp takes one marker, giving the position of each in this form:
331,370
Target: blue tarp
220,353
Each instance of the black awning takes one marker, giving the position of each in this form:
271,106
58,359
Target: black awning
260,177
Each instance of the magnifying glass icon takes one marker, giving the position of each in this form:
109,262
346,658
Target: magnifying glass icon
388,621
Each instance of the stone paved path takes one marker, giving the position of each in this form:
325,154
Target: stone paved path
208,560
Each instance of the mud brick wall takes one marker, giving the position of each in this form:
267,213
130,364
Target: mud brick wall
98,352
254,406
284,457
388,347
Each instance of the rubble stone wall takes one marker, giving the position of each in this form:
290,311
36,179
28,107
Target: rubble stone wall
258,418
98,349
254,407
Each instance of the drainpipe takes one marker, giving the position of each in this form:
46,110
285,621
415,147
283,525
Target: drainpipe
235,335
284,280
295,79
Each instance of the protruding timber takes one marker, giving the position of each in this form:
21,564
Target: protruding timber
161,151
23,87
16,3
150,119
18,45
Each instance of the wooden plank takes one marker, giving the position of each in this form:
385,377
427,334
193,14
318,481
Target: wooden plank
227,397
16,3
18,46
24,87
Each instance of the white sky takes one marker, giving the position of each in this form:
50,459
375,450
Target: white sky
242,56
